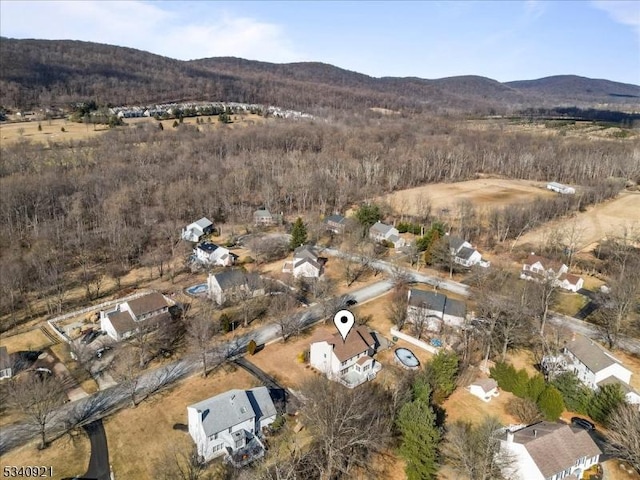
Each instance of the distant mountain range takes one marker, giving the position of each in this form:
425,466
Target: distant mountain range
57,72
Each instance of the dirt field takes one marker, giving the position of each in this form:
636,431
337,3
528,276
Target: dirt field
486,192
606,219
52,130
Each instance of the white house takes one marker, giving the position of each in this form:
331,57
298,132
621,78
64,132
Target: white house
435,309
6,367
380,232
548,451
263,217
195,231
347,361
568,281
464,253
208,253
484,388
592,364
231,422
234,284
540,269
305,263
147,311
560,188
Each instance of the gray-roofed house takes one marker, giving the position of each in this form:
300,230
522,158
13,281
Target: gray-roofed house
336,223
484,388
125,318
209,253
231,422
195,231
381,232
592,364
435,309
464,253
6,367
306,263
263,217
234,284
548,451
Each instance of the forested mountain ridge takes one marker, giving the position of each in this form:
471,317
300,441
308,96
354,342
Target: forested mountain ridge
56,72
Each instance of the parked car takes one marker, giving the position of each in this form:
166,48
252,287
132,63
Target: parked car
101,351
582,423
90,336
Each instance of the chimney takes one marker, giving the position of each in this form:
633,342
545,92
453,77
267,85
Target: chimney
509,436
573,336
535,433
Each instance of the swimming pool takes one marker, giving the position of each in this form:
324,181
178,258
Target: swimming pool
197,289
407,358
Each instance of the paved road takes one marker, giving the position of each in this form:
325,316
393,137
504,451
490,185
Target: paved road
99,462
109,400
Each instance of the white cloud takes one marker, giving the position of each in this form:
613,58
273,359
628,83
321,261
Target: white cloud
626,12
149,26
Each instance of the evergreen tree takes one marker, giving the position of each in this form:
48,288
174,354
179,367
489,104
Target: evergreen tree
368,214
441,373
550,403
607,399
576,396
535,386
298,234
420,436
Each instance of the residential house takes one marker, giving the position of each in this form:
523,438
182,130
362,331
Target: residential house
263,217
592,364
349,361
336,223
568,281
233,285
6,366
381,232
147,311
435,309
305,263
195,231
540,269
549,451
560,188
231,422
484,388
464,253
208,253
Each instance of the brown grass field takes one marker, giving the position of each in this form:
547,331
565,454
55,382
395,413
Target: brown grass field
31,340
607,219
51,130
485,192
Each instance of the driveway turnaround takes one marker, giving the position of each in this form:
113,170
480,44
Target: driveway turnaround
99,461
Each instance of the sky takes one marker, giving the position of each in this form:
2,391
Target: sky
503,40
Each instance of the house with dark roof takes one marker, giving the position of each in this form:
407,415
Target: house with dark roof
208,253
349,361
540,269
464,254
233,285
6,366
147,311
592,364
195,231
306,263
336,223
231,423
381,232
435,309
548,451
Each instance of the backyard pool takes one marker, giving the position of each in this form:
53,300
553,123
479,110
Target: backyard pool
406,358
197,289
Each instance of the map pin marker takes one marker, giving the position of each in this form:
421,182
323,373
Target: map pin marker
344,322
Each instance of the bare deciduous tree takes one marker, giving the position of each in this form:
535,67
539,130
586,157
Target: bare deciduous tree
200,330
126,371
37,396
397,308
624,434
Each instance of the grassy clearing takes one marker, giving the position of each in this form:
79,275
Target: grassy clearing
569,303
31,340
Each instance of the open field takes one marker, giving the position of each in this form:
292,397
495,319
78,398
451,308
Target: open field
485,192
461,405
31,340
52,130
606,219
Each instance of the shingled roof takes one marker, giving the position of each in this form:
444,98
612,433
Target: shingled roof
147,304
554,447
590,353
437,301
358,340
